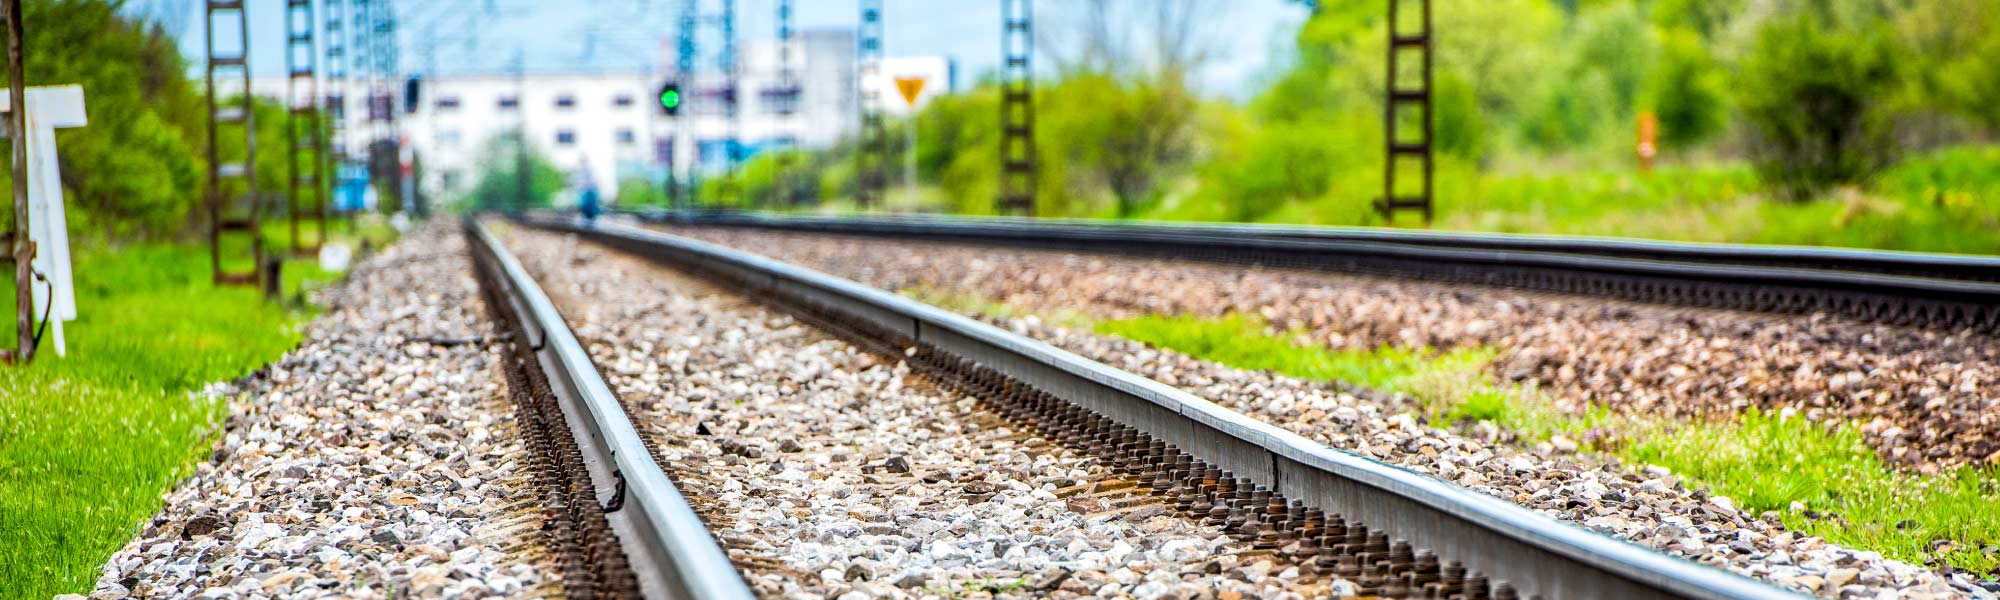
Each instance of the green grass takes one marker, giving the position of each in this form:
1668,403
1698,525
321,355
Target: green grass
1845,492
1760,461
88,442
1944,201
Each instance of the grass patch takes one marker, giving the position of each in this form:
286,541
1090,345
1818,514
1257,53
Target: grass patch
1845,493
1451,386
1941,201
88,442
1760,461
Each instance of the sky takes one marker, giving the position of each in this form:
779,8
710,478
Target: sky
460,36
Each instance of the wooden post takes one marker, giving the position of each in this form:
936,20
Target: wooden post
23,249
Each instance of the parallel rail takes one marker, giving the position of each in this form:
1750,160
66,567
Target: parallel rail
665,542
1539,555
1900,288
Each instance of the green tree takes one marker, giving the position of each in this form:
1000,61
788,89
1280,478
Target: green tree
641,192
135,169
1816,93
499,183
1953,47
1687,91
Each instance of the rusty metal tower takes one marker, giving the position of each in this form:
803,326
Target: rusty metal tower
1409,98
334,111
872,157
1017,108
234,208
304,136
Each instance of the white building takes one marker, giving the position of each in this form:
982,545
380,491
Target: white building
609,127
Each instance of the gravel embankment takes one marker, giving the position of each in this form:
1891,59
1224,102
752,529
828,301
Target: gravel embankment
1648,507
378,459
1927,400
827,471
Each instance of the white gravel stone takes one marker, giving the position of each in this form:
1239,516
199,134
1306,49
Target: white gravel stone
379,458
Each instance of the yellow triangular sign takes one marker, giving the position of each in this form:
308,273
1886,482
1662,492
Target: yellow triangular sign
910,87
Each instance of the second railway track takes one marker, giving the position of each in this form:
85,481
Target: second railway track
1115,469
1937,291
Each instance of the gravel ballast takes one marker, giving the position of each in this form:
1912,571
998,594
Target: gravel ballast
1650,507
828,471
378,459
1928,400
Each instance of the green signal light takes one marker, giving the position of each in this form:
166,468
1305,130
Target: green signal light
670,98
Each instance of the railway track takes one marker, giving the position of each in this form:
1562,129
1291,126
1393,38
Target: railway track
1939,291
1334,516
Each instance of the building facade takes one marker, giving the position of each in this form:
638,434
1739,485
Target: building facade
604,128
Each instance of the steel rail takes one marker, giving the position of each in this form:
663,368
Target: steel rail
1759,279
1537,553
666,543
1895,262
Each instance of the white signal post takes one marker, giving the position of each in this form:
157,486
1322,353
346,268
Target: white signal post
50,107
911,88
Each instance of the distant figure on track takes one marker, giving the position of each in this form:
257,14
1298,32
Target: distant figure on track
587,203
586,200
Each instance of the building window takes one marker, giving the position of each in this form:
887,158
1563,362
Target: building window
447,103
565,101
622,101
448,138
626,137
566,137
510,102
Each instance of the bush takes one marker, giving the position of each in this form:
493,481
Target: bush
1816,100
1686,91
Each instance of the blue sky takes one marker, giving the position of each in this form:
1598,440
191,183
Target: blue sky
623,35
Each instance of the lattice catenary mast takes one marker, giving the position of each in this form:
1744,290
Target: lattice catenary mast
228,214
306,144
1017,108
1401,97
872,159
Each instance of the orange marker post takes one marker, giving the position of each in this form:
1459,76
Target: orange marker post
1648,140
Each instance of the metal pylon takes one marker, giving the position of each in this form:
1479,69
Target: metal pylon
335,108
231,214
872,159
1017,108
306,179
1403,97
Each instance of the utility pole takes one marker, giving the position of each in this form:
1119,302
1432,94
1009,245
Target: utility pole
732,126
873,154
680,189
1017,108
522,178
789,188
387,65
334,156
23,249
1416,99
222,218
306,147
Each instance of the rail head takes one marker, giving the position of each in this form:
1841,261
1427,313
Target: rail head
1588,564
1975,267
665,541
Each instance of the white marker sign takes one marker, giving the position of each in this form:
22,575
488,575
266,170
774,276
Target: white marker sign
50,107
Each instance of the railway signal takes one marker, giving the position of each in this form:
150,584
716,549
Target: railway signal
670,98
